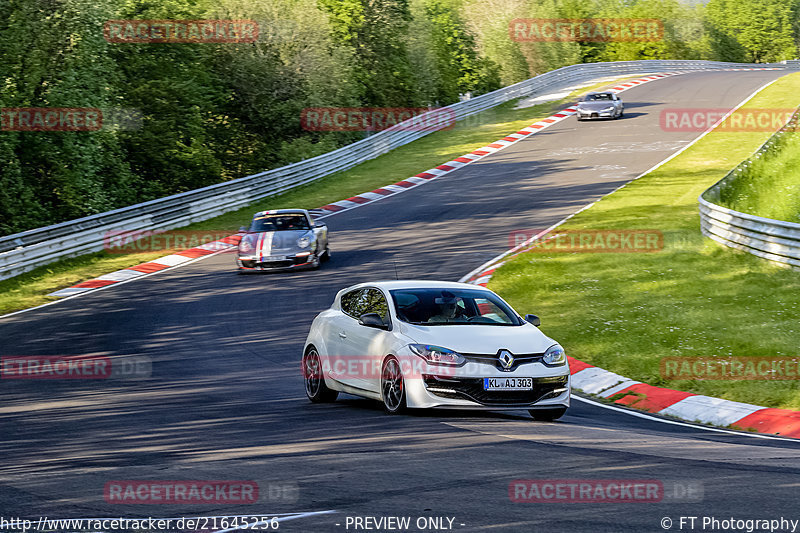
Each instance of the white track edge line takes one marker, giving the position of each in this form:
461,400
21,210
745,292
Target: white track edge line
639,414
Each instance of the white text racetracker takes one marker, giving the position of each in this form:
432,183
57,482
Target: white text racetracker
400,523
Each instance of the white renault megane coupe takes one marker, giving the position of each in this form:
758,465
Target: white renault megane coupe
434,344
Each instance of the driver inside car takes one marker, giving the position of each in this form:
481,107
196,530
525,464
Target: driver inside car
449,311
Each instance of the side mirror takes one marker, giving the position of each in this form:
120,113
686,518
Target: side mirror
320,225
372,320
243,229
533,319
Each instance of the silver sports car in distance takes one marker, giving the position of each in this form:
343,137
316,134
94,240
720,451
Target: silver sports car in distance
284,239
600,105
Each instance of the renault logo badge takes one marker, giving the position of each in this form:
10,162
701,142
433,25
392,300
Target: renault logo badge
506,359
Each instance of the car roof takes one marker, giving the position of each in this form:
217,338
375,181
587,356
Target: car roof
416,284
390,285
282,212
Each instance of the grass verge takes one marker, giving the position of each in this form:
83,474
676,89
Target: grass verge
770,187
33,288
627,311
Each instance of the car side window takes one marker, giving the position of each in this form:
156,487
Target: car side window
350,302
375,302
361,301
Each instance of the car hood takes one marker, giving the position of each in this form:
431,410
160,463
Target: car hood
596,106
267,241
481,339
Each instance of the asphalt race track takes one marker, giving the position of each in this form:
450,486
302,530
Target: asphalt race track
226,401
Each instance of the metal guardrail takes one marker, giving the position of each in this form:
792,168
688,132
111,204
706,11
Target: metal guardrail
775,240
24,251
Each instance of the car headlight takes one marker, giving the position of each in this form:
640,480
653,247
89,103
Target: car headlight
610,108
436,355
303,242
248,243
555,356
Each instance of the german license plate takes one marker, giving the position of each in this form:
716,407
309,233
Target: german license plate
268,258
507,383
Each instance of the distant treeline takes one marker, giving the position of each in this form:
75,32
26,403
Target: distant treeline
182,116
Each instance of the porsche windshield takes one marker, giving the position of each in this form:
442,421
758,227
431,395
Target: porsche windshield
442,307
285,222
597,97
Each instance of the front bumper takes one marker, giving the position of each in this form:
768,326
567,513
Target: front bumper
589,115
462,388
472,391
286,262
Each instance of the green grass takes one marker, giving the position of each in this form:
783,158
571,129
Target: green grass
625,311
770,187
33,288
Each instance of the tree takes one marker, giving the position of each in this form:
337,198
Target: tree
454,64
53,56
375,31
761,31
589,52
294,65
493,38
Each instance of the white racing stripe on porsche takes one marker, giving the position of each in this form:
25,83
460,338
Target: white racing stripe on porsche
264,245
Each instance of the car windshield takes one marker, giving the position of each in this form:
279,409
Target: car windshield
443,307
284,222
597,97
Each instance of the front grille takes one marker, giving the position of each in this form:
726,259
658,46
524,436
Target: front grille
277,264
492,359
472,389
284,263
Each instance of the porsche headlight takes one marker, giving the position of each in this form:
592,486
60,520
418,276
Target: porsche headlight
303,242
248,243
555,356
436,355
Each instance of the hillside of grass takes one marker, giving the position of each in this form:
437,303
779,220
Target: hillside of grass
770,185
